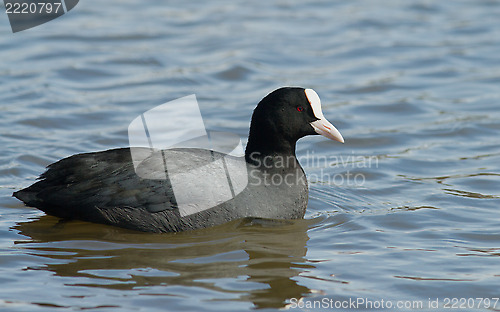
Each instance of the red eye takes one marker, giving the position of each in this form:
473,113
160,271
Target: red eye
300,108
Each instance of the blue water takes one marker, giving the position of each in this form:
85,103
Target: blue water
406,211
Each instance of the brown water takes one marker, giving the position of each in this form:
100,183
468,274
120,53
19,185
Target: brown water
406,211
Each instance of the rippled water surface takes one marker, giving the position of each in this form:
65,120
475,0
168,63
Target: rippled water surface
406,210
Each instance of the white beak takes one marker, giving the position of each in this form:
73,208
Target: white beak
322,126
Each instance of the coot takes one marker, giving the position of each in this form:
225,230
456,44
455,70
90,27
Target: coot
104,187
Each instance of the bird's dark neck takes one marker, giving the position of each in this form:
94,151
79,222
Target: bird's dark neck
272,147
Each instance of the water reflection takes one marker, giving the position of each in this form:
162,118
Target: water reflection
230,259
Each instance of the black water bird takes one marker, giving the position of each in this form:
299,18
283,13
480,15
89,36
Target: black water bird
105,187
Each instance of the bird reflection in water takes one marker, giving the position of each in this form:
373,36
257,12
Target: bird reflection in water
264,255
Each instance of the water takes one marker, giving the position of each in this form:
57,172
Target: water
406,210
